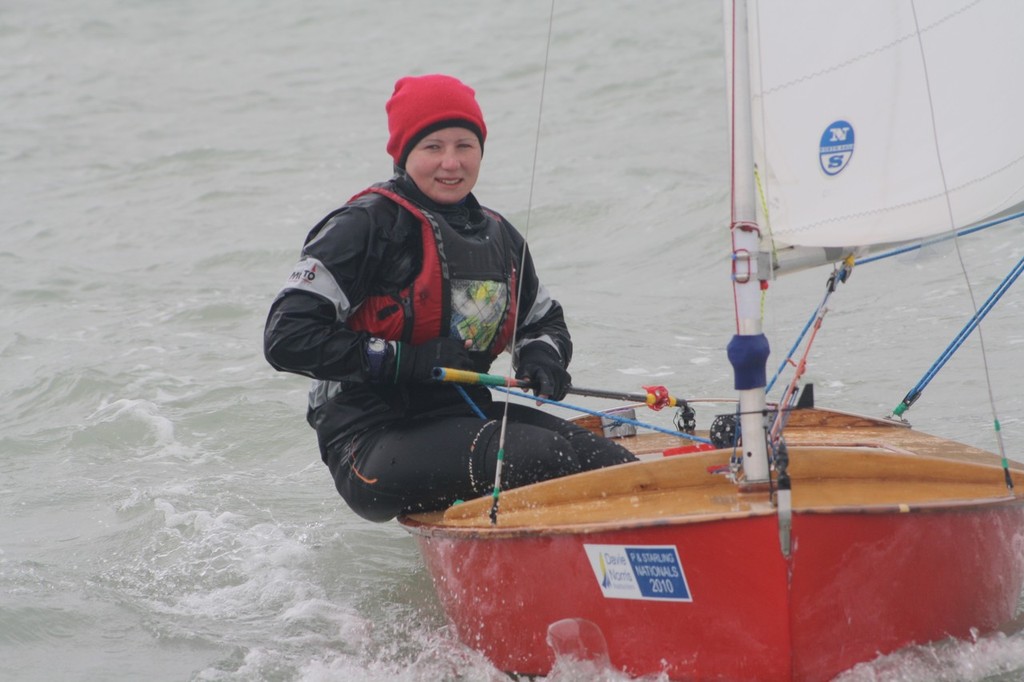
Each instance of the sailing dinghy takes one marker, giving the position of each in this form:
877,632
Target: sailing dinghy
816,539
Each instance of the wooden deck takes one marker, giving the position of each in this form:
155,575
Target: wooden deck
838,463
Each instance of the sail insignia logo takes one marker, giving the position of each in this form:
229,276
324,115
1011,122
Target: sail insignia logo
836,147
651,572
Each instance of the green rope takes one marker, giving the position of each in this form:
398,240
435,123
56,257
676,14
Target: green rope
497,487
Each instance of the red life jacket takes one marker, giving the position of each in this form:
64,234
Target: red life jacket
466,287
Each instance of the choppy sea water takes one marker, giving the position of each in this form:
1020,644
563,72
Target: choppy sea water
164,512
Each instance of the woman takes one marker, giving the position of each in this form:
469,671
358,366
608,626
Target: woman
413,274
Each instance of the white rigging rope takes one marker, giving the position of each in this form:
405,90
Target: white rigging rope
956,241
522,259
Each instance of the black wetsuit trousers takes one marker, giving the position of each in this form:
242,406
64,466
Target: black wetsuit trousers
428,463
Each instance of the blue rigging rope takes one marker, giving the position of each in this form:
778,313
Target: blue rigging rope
465,396
792,350
840,275
945,237
896,252
615,417
958,341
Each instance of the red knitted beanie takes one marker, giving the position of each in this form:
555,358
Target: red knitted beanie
420,103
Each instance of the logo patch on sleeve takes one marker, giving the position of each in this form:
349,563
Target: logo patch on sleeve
304,273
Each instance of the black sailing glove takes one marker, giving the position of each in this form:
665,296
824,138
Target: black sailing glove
539,363
417,363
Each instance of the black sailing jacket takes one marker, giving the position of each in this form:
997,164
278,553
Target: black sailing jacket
373,246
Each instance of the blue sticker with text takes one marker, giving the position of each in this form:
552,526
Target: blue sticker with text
836,148
641,572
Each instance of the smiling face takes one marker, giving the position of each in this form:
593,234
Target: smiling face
445,164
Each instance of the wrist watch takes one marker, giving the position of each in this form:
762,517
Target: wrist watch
376,352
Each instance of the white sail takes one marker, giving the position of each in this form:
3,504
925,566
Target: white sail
882,121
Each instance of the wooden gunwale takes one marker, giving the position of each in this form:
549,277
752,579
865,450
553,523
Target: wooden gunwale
839,463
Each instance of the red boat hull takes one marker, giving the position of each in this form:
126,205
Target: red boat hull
854,586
